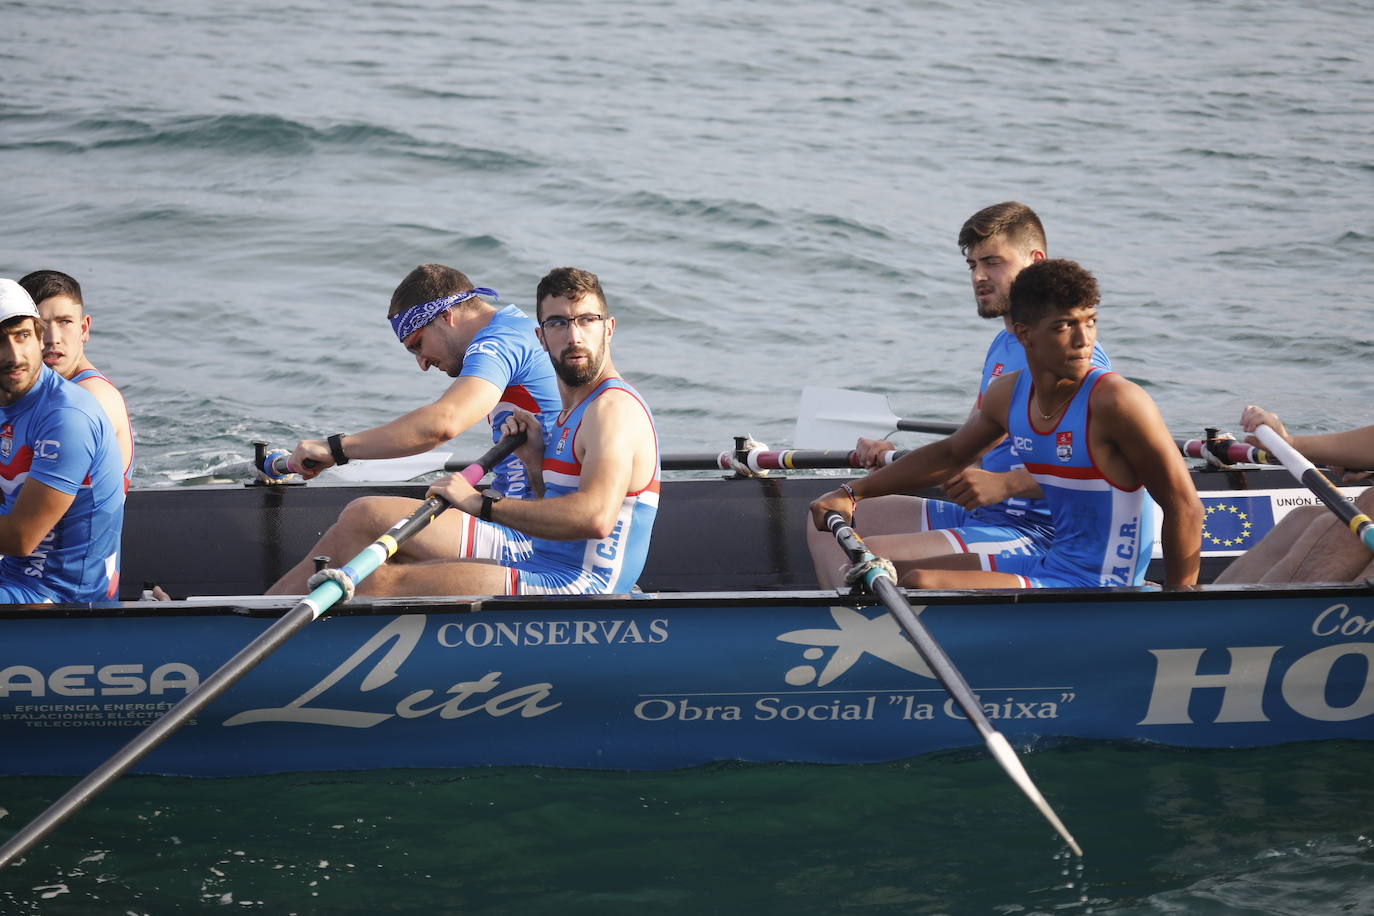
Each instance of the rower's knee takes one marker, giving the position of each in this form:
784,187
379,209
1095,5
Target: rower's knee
367,513
923,578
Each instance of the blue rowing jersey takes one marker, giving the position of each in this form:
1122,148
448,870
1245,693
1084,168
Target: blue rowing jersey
1103,534
507,354
1004,357
613,563
58,435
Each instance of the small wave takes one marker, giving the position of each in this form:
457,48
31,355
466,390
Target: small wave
262,134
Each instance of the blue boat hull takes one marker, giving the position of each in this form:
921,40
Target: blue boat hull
673,681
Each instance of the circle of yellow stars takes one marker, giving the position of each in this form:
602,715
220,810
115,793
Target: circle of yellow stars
1246,528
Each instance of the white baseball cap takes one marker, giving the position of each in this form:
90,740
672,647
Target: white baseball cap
15,302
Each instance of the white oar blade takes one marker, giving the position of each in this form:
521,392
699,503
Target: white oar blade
1001,750
833,418
367,470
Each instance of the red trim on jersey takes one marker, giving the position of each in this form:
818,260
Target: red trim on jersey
471,525
1087,425
563,467
1054,470
520,396
652,486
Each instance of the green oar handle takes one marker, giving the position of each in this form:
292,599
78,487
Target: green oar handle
880,583
1315,480
312,606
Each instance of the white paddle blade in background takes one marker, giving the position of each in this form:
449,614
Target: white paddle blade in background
366,470
833,418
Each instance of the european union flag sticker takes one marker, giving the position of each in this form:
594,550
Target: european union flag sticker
1234,522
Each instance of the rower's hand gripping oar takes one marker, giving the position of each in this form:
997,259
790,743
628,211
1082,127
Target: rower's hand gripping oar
1308,475
310,607
879,582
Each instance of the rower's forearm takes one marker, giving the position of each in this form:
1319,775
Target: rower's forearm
1350,449
577,516
411,434
14,540
1181,540
1020,483
924,467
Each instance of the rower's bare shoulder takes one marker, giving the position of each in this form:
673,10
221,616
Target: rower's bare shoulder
999,391
1124,412
617,405
1114,391
108,396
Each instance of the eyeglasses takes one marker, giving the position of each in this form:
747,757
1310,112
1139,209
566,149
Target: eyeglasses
560,322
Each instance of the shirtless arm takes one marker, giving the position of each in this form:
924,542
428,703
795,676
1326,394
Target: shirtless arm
464,403
112,402
1350,449
1136,436
929,464
36,511
615,445
971,487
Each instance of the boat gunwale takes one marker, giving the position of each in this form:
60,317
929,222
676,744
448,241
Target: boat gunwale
261,606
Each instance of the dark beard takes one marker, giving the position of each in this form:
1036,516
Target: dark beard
577,377
994,310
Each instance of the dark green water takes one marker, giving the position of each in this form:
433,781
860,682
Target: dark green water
1276,831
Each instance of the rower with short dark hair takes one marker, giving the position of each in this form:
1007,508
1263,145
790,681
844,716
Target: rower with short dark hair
63,491
67,330
593,466
1093,441
993,506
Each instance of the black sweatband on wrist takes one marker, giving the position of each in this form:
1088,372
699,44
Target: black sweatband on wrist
336,449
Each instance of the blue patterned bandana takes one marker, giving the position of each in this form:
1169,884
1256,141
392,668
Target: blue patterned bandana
417,316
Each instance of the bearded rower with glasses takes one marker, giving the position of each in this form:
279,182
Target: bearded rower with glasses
494,356
593,470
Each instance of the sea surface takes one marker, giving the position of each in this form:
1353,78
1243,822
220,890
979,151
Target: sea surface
770,192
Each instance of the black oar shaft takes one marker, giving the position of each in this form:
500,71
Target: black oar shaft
1307,474
148,739
305,611
927,426
878,581
920,637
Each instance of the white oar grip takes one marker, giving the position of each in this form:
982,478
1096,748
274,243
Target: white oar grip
1290,457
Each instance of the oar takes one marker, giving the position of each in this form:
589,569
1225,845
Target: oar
877,581
757,460
1308,475
370,469
1229,452
310,607
832,418
762,459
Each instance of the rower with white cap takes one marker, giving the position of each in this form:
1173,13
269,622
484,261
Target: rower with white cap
60,473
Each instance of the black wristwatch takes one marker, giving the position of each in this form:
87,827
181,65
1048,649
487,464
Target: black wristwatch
336,449
489,498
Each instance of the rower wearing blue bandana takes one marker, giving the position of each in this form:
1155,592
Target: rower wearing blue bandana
498,365
594,468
